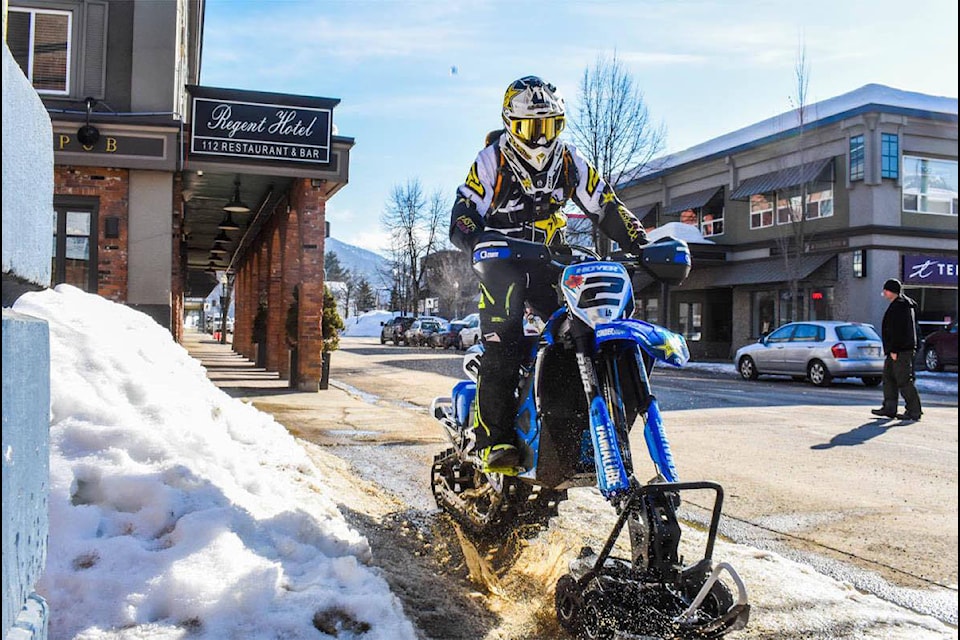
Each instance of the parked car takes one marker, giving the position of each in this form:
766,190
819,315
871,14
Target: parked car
940,348
817,350
448,336
392,330
470,334
418,335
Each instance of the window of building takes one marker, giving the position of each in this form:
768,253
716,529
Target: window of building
63,51
889,155
929,185
40,41
818,202
821,304
761,211
75,239
788,206
860,263
712,224
764,305
811,303
690,320
856,157
648,309
787,305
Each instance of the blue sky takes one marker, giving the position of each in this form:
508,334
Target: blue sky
706,68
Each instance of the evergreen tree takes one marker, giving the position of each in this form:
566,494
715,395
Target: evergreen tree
331,322
332,269
364,298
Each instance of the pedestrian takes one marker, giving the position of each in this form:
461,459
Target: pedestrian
899,333
517,187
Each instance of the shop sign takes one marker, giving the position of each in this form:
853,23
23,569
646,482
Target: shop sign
928,271
258,130
112,145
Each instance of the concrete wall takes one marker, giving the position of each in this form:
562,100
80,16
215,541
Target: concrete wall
27,177
150,247
27,231
153,71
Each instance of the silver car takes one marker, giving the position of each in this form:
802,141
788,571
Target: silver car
818,350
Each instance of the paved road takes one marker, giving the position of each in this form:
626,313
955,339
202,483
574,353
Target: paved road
807,471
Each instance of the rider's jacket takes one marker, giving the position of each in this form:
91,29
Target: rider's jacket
493,198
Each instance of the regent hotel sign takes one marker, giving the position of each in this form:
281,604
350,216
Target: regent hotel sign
258,130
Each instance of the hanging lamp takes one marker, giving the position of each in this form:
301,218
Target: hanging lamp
236,205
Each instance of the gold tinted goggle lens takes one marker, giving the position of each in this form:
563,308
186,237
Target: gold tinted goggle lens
531,129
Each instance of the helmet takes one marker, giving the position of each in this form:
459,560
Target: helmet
533,114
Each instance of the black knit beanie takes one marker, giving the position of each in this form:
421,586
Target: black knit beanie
892,285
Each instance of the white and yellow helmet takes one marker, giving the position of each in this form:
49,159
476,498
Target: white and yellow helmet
533,114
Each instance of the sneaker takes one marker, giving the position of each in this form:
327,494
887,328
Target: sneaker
883,413
908,417
501,458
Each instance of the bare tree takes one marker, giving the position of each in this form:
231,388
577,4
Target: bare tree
791,206
414,222
612,126
451,278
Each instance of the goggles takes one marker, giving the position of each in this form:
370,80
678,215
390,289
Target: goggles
532,129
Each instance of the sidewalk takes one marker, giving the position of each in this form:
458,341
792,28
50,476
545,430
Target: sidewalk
333,416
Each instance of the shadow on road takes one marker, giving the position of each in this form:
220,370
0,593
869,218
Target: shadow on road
861,434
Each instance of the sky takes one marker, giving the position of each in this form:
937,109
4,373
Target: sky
421,82
178,511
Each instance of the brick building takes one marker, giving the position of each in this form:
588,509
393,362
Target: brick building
163,186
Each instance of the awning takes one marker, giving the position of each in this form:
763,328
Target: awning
766,271
691,200
790,177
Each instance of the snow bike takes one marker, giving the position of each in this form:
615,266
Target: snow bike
585,382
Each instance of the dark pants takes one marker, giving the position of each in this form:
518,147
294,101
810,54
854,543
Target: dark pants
898,379
503,294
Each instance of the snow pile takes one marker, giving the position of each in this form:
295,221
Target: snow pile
366,325
177,511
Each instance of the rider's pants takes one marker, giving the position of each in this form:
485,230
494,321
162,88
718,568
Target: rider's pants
503,294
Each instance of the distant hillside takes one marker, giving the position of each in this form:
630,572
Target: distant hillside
360,261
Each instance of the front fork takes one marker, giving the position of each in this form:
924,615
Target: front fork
612,477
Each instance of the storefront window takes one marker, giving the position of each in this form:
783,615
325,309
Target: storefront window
691,320
821,304
647,309
929,185
786,308
764,311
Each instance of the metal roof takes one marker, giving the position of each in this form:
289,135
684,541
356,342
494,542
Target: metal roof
691,200
789,177
731,274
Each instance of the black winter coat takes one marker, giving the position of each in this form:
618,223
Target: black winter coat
899,329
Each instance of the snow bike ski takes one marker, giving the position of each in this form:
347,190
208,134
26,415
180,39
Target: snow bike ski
584,384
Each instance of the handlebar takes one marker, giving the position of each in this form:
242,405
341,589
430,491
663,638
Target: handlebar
666,260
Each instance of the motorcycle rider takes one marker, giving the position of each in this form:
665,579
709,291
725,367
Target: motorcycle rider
517,187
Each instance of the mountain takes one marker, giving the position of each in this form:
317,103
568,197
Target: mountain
360,262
